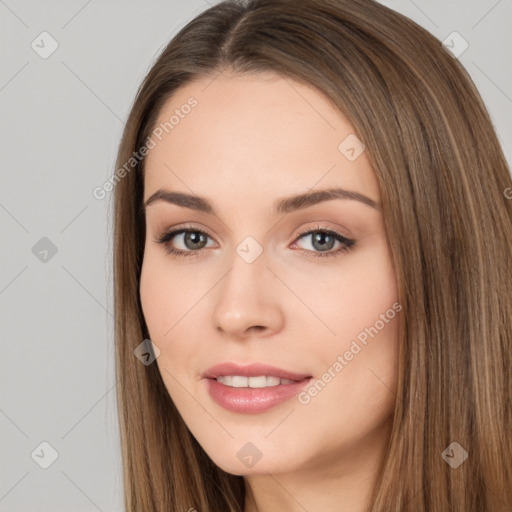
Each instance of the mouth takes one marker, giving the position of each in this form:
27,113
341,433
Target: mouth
237,373
261,381
252,388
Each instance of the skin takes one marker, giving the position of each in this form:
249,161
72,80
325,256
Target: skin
251,140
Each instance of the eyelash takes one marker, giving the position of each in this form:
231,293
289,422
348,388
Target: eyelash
166,237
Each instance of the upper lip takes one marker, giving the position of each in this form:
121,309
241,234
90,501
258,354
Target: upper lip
251,370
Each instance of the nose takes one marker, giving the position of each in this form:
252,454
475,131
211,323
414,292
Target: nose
246,302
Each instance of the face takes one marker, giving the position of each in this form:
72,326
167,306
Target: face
295,300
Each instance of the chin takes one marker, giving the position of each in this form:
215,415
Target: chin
247,459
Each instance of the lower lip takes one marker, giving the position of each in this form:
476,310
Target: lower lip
253,400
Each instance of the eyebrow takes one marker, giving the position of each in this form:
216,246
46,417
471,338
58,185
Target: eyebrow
283,205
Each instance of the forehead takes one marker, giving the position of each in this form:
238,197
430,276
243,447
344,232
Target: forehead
253,134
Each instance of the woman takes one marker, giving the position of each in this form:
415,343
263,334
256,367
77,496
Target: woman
312,262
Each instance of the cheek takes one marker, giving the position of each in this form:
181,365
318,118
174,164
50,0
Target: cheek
167,296
368,295
359,357
171,301
163,305
349,298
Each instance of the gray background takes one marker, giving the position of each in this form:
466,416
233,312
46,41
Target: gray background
61,123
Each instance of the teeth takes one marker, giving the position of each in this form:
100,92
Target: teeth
263,381
257,382
239,382
273,381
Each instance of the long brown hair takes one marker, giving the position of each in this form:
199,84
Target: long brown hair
443,178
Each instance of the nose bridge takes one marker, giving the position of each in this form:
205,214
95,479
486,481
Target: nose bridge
246,296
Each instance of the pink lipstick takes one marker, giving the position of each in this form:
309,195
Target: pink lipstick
254,388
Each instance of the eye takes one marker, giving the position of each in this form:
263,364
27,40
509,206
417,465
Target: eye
192,240
323,240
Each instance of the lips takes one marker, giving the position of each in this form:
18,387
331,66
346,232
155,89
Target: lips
250,400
